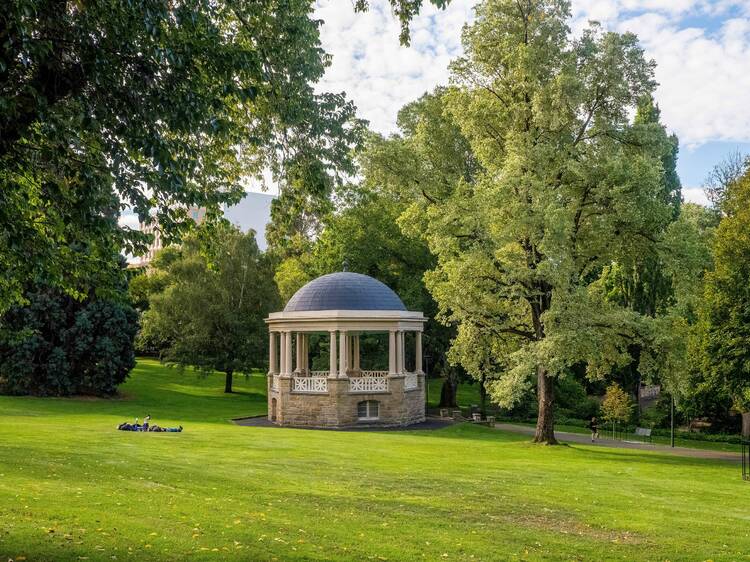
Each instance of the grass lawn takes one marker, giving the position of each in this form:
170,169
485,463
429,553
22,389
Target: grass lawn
468,394
72,487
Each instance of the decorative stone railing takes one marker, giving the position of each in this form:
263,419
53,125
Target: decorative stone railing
319,373
310,384
369,381
411,381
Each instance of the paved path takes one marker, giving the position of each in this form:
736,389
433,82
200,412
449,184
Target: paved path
586,439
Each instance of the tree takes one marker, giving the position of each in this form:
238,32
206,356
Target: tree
726,316
616,406
723,175
566,184
686,257
149,104
58,346
211,314
643,285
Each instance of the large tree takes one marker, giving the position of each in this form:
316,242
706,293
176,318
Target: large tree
568,184
150,104
211,314
726,321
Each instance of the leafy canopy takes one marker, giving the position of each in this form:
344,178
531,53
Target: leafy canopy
210,315
726,317
150,104
565,183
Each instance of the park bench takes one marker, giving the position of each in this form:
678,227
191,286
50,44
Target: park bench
644,433
489,421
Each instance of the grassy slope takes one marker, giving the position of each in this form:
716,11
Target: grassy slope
71,486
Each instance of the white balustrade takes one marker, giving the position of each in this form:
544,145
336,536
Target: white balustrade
411,381
319,373
310,384
369,381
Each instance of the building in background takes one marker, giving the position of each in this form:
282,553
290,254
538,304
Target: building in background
253,212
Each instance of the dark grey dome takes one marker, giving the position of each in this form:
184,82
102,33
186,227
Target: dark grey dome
344,291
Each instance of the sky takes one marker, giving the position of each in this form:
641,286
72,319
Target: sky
701,48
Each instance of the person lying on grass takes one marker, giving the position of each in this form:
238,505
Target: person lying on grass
125,426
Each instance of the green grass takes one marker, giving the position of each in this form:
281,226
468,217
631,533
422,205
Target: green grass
71,487
656,439
468,394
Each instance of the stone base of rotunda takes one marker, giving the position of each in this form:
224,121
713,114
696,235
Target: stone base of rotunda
340,408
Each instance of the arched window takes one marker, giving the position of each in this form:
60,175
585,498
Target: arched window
368,410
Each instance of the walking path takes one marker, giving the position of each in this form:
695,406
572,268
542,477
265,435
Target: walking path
586,439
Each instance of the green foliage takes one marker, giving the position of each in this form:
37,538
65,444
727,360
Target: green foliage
562,184
723,175
726,319
151,104
617,405
59,346
572,400
210,315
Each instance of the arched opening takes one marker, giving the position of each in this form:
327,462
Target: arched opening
273,409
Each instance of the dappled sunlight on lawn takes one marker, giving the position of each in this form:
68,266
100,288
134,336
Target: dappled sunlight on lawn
72,486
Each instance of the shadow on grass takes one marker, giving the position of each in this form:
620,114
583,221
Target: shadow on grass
467,431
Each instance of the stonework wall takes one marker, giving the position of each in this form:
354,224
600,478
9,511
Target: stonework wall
338,407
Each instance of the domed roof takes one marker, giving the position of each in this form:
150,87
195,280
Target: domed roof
344,291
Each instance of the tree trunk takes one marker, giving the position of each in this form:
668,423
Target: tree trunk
545,422
746,425
228,382
448,394
482,397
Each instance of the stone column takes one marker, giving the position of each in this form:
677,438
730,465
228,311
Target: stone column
332,368
282,354
392,352
418,353
272,368
402,349
305,352
355,353
297,352
343,353
399,352
287,353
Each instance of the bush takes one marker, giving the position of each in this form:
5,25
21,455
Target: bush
57,346
572,400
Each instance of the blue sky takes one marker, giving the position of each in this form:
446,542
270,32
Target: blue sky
701,47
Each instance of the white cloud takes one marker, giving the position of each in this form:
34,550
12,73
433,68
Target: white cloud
703,72
703,77
695,195
372,67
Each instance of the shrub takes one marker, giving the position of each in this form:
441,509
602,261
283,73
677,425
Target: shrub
57,346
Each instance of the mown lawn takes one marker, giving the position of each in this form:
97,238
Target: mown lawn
72,487
468,394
